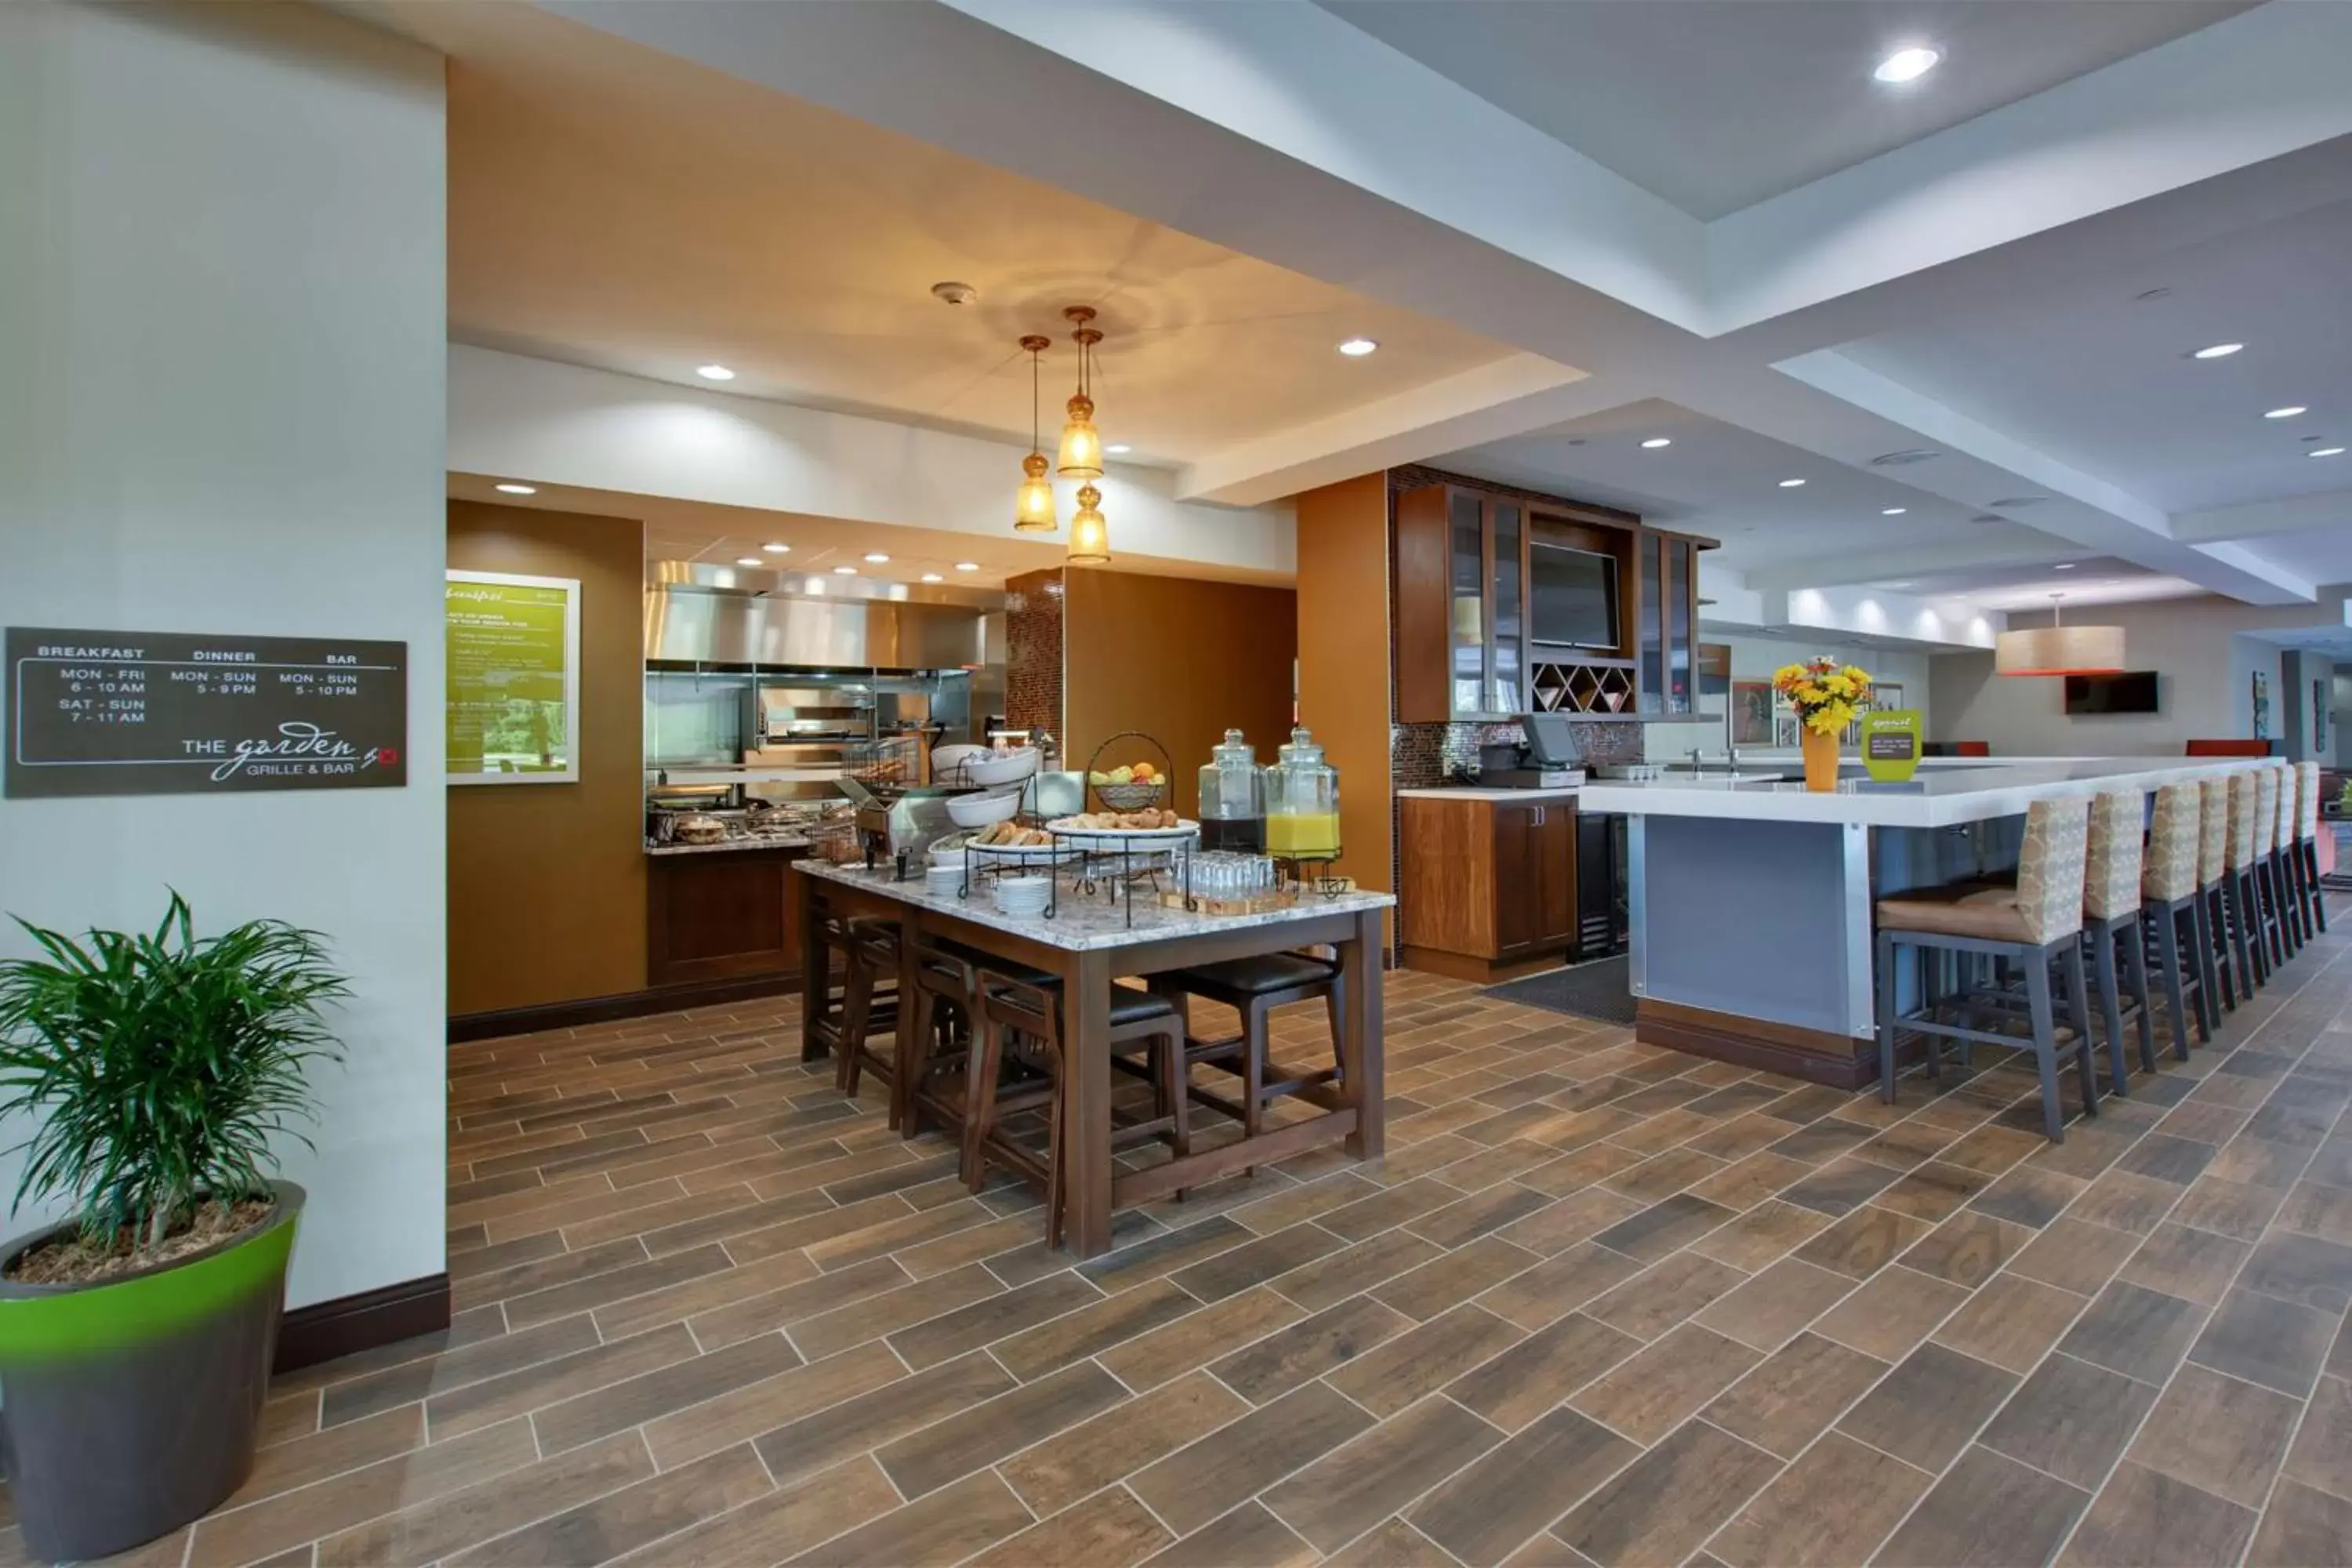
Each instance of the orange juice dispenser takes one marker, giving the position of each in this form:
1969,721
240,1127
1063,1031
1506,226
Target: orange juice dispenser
1302,802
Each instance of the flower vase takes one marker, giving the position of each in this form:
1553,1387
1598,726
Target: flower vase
1820,760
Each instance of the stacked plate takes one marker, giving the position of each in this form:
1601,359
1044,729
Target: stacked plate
1023,895
944,881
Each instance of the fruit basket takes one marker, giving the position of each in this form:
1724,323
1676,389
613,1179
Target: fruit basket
1136,788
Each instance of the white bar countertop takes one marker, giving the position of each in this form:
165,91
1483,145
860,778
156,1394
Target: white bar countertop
1472,792
1944,792
1084,922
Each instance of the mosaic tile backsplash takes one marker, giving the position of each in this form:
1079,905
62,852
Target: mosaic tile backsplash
1033,668
1421,756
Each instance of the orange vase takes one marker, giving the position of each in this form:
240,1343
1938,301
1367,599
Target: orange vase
1820,760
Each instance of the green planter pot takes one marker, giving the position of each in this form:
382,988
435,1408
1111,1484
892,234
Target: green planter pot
130,1406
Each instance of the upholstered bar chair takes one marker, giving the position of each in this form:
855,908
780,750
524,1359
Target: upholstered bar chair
2306,846
2239,908
2037,926
2213,895
2289,898
2268,932
2111,920
2168,903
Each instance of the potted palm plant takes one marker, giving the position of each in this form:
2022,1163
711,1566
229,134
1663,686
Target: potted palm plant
150,1070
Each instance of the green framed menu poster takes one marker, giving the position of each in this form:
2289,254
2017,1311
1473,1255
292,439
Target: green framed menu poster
513,648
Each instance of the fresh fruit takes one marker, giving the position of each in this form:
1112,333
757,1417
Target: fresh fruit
1122,775
1144,772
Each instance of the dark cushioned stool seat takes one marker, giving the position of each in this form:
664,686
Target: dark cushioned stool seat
1237,978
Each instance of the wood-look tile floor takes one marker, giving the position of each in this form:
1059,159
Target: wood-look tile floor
1601,1303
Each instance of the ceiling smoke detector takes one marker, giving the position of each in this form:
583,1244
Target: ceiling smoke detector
1903,459
953,293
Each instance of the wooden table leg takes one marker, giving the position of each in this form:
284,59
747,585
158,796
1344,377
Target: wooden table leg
1360,1036
817,964
909,1048
1086,1101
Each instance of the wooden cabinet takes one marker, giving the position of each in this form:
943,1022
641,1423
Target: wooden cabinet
1466,643
725,915
1488,887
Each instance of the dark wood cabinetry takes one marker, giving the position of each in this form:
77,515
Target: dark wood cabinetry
1468,647
1489,887
726,915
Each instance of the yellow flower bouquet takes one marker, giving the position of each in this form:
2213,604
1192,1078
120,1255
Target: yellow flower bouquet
1828,696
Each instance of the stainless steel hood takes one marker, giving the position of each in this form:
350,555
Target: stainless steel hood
841,623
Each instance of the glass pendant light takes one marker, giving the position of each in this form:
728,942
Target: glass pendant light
1033,509
1082,451
2059,649
1089,533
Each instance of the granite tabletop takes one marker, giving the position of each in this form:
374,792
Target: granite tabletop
731,845
1086,921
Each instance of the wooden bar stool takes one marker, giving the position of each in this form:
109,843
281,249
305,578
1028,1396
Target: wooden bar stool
2305,854
2111,921
869,1008
2213,895
1255,987
1020,1027
2168,890
2238,907
945,977
2036,925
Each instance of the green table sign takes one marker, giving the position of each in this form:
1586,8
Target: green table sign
1890,744
513,648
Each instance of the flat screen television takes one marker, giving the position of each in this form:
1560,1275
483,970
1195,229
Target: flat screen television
1572,598
2133,691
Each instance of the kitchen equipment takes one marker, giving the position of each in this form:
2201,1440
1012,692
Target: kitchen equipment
900,828
698,828
978,810
1233,797
1302,802
1545,761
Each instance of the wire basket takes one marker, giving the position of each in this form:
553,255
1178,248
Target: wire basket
1136,796
834,840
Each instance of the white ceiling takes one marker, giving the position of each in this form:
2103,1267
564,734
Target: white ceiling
1723,481
2091,580
623,210
1718,104
2100,376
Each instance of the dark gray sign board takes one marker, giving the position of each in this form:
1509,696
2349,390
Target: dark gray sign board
116,712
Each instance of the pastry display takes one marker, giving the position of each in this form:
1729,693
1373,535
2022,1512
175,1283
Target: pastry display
1154,820
1011,834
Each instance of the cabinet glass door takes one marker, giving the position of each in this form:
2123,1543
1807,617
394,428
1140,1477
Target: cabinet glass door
1467,643
1506,672
1680,637
1649,560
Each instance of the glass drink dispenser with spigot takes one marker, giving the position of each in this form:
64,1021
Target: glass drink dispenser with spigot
1233,798
1302,807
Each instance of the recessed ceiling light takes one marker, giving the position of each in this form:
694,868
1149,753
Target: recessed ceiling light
777,549
2065,567
714,372
933,577
518,490
1790,484
967,565
875,558
845,571
1654,442
1357,347
1908,65
2324,452
1118,449
2217,351
1894,511
748,560
2287,413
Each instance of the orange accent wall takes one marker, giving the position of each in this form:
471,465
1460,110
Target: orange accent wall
547,883
1181,660
1343,660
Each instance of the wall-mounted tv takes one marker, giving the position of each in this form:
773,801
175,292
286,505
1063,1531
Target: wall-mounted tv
2132,692
1572,598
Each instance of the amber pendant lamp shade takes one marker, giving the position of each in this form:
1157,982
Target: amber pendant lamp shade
1033,505
1089,533
2059,649
1082,453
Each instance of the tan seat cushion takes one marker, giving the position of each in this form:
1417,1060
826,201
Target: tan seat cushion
1964,908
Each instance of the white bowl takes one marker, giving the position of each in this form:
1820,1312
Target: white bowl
1011,768
945,760
980,810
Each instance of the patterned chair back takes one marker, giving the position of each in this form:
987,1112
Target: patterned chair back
2307,800
2213,829
2111,862
2290,786
2266,782
2049,868
2173,840
2245,793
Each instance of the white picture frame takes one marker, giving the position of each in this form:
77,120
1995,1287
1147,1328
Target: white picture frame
569,770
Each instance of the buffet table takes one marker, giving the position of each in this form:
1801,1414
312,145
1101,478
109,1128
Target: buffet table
1750,904
1089,941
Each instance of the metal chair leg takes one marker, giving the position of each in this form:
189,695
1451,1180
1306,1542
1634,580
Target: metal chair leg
2045,1048
1888,949
2110,1005
2079,1003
